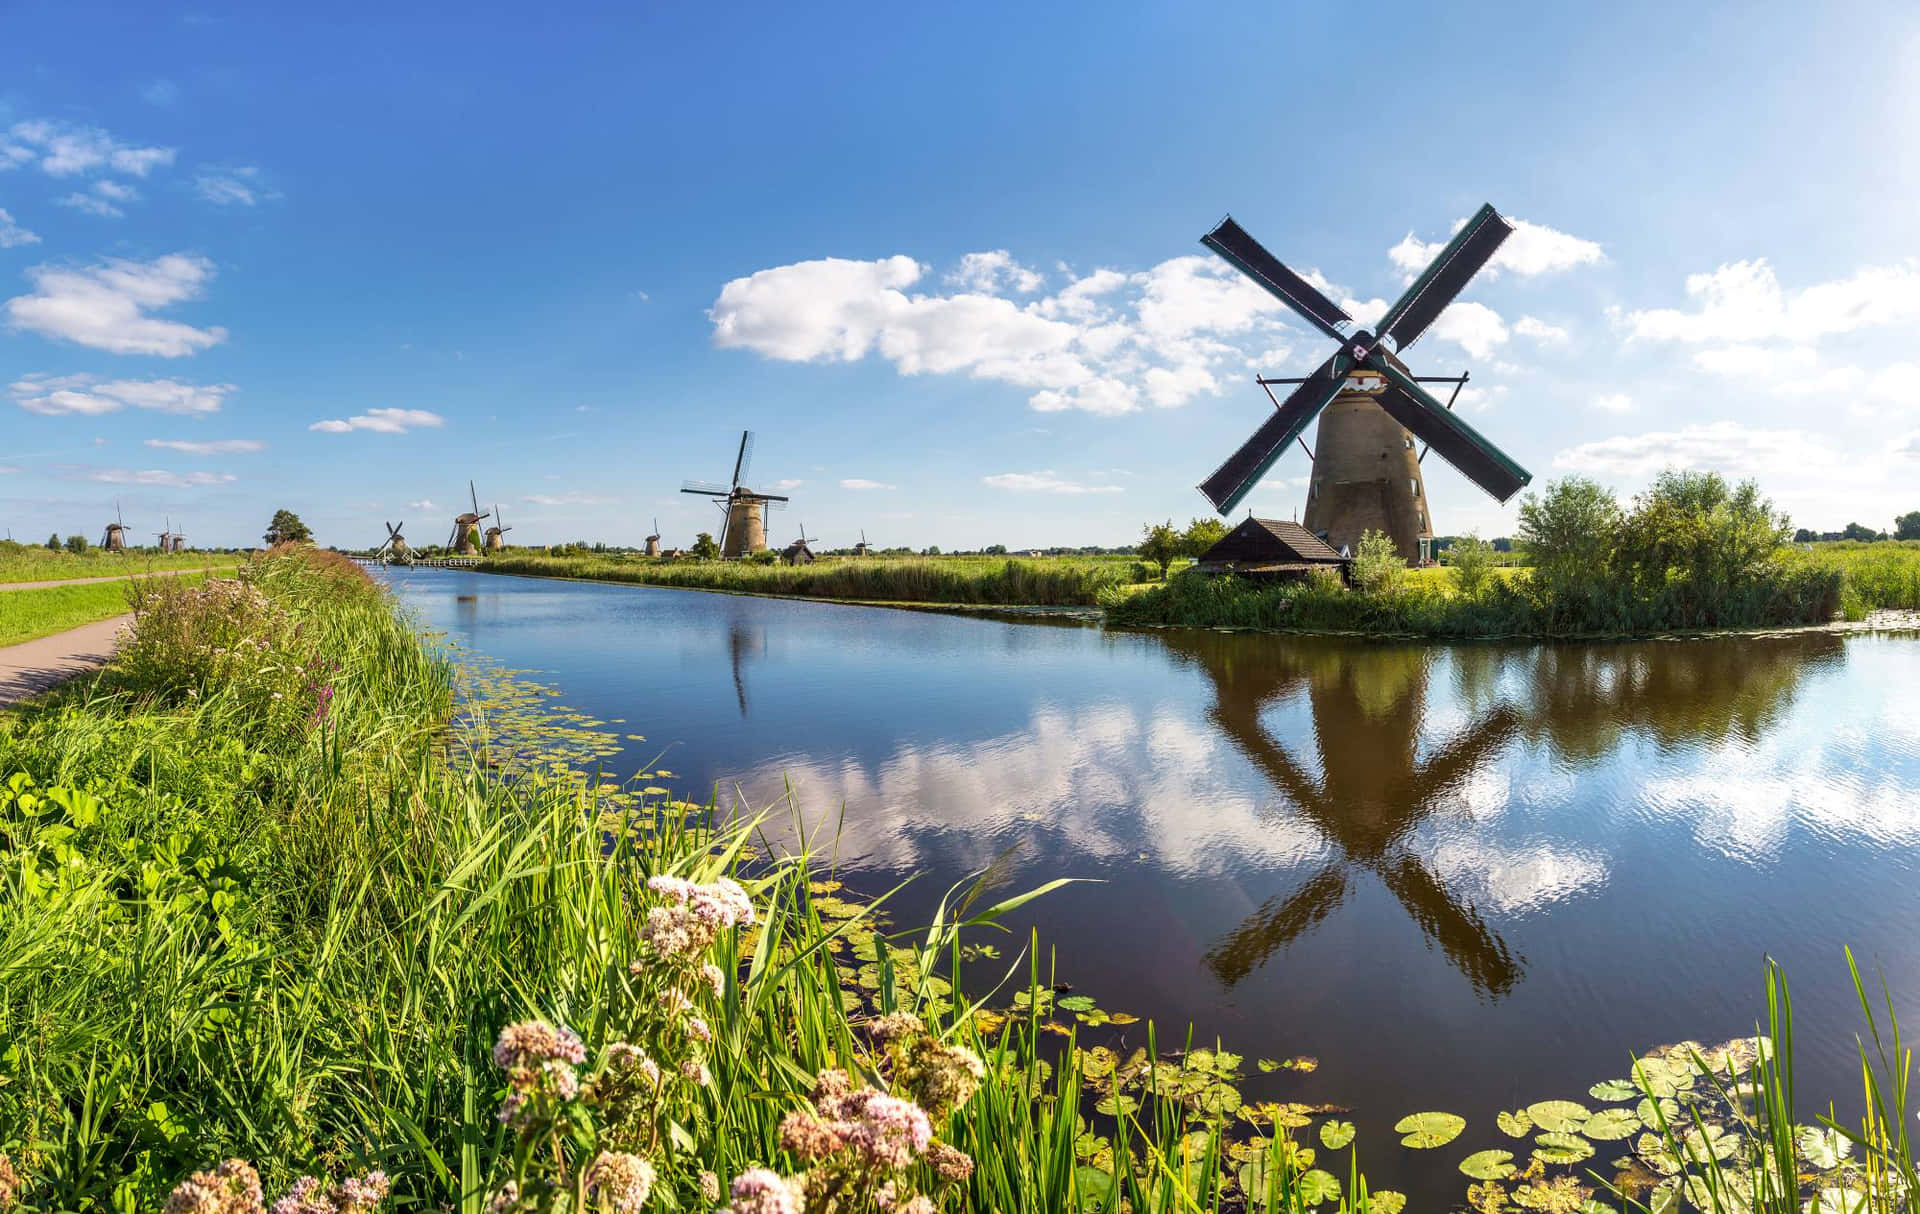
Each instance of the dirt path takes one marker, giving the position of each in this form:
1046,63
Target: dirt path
29,668
88,581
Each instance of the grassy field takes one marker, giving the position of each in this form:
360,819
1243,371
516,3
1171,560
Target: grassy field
976,580
1885,574
24,563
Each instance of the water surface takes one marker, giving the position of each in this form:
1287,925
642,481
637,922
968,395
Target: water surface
1464,877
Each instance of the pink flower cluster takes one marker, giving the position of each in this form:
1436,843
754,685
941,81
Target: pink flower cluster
694,915
354,1195
762,1191
621,1180
539,1060
231,1188
883,1130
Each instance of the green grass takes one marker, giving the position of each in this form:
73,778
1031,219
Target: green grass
1882,575
960,580
24,563
26,615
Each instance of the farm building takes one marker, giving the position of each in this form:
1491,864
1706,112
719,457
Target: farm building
1269,548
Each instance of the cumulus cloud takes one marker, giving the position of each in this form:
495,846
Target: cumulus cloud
90,205
381,421
157,477
1743,302
236,187
1539,330
783,486
65,150
1908,445
422,504
12,235
1727,447
106,306
1532,249
1044,482
90,395
861,483
1474,327
988,273
218,446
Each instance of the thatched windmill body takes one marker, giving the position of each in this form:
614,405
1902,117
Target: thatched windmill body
860,549
165,537
653,541
465,538
497,534
394,550
800,551
114,538
745,529
179,542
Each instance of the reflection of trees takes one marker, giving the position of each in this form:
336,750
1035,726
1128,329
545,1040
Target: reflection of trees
1375,787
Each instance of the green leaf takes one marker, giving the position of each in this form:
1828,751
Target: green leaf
1669,1109
1267,1066
1610,1125
1076,1003
1427,1130
1336,1134
1386,1201
1515,1125
1824,1149
1613,1090
1488,1165
1558,1116
1559,1147
1317,1187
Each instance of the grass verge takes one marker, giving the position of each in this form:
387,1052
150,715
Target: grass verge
27,615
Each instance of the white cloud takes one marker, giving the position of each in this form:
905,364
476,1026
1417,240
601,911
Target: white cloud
570,499
1613,402
105,306
1107,343
231,187
783,486
12,235
218,446
64,150
1044,482
861,483
1539,330
988,272
1474,327
1727,447
116,190
1908,445
90,395
1480,400
1532,249
422,504
90,205
1743,301
157,477
381,421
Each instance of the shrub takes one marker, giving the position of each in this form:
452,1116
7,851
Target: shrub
1377,566
1470,561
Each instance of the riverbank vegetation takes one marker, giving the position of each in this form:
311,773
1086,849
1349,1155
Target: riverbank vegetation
1692,552
28,614
959,580
32,563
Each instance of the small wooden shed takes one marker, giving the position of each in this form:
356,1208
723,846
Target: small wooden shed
797,553
1270,548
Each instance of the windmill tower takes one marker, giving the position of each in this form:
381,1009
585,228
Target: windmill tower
114,538
799,552
496,534
179,542
394,550
165,537
860,549
1366,473
465,537
653,541
745,530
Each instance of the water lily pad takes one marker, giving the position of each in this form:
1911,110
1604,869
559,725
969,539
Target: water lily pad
1336,1134
1714,1141
1823,1148
1653,1152
1554,1147
1594,1205
1561,1195
1076,1003
1613,1090
1386,1201
1113,1106
1515,1124
1267,1066
1610,1125
1558,1116
1669,1109
1488,1165
1317,1187
1835,1201
1426,1130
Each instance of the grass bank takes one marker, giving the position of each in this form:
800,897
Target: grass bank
260,922
29,614
959,580
1876,576
24,563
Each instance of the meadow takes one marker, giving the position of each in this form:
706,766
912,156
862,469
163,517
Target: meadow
957,580
32,563
27,614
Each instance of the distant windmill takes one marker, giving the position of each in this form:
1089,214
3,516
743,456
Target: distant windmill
114,539
496,534
179,542
798,552
465,536
860,549
165,537
653,541
745,529
395,549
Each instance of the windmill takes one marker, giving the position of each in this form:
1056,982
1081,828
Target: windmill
799,552
165,537
860,549
464,537
653,540
1371,408
114,538
395,548
496,534
745,529
179,542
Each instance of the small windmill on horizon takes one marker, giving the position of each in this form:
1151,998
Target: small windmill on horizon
114,538
744,531
800,552
653,540
165,537
465,539
394,550
860,549
497,534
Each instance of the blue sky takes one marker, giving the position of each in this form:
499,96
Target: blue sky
942,261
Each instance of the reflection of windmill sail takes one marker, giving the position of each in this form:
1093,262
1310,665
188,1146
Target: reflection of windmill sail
1373,792
742,642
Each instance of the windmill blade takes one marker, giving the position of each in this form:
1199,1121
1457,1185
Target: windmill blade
1247,255
1242,470
1275,925
744,458
1449,274
1448,433
1474,948
707,487
475,497
771,497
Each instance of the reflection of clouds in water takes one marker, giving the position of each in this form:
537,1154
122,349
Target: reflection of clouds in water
1514,881
1744,811
1078,776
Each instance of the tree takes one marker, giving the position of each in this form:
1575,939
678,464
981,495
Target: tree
995,550
1202,534
1907,526
1470,559
77,544
286,528
1804,536
1854,531
704,547
1377,564
1568,532
1160,543
53,542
